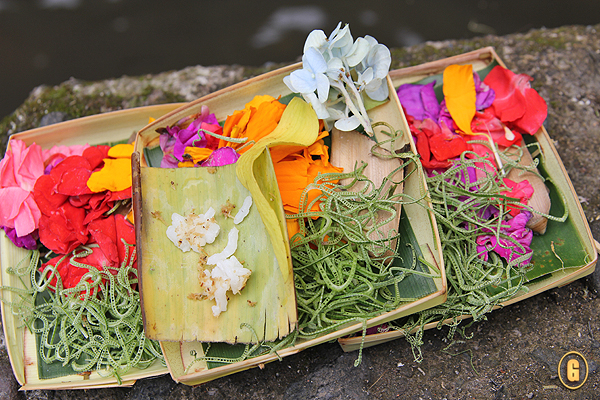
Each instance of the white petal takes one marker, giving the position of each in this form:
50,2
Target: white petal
358,51
288,83
335,31
366,76
303,81
380,59
377,89
322,87
372,41
347,124
334,68
314,60
315,39
342,39
319,107
335,113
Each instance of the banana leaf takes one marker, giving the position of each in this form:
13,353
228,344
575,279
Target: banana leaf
169,276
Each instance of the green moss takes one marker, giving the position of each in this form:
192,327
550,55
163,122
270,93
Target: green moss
64,98
420,54
60,98
537,39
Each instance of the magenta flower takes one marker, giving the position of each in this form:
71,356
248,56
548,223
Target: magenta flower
222,156
174,139
507,248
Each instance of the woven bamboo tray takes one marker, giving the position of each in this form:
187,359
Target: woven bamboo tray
223,103
20,343
481,59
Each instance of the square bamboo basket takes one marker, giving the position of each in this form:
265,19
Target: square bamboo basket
20,342
483,59
222,104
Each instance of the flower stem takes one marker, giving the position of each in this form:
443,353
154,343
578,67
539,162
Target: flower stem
360,103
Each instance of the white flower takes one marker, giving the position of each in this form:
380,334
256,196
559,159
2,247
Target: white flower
378,60
311,77
340,41
316,39
357,53
329,66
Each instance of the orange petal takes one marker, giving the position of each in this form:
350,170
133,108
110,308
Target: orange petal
459,93
185,164
292,178
265,120
198,153
293,227
278,153
258,100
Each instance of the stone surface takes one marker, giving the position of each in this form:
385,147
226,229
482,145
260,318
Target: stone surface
512,355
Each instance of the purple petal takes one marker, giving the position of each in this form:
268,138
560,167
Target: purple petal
28,242
419,101
484,94
169,161
430,102
410,97
55,161
220,157
188,138
174,141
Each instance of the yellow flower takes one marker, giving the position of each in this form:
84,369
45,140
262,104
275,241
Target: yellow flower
115,175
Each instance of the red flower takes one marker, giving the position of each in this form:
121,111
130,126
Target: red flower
67,205
516,103
438,141
109,233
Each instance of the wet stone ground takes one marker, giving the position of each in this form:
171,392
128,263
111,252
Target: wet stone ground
512,355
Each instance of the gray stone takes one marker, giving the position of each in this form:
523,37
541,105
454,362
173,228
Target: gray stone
54,117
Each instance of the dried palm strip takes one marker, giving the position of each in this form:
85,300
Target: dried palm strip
540,201
353,147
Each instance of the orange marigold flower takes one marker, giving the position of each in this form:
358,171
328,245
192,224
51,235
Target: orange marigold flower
296,168
259,118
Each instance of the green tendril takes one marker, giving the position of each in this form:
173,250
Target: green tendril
96,325
475,286
343,260
225,138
